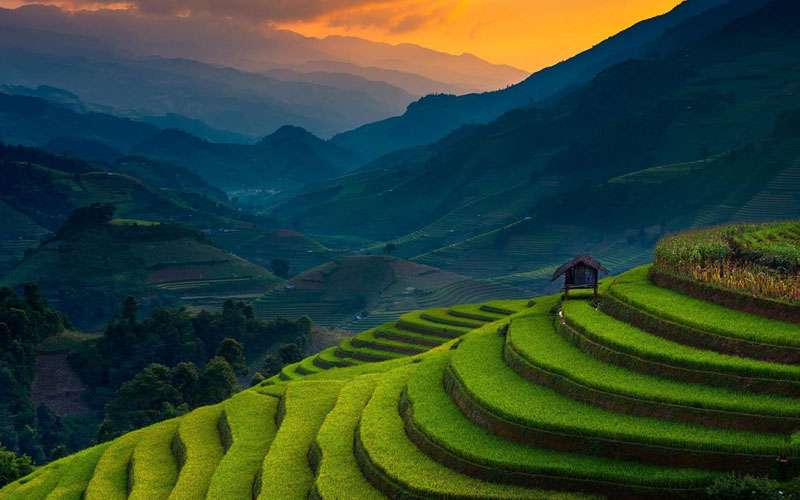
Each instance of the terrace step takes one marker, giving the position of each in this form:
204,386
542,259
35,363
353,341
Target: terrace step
39,483
399,335
506,307
727,297
199,450
346,349
77,474
625,345
398,468
438,427
307,367
443,317
535,351
331,455
370,340
327,359
532,414
474,312
248,426
110,479
414,334
632,298
414,323
285,472
388,346
154,467
289,372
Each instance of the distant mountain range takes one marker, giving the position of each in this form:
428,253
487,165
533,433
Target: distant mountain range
288,158
231,75
433,117
255,48
248,104
508,200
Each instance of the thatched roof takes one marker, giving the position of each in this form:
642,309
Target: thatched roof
587,260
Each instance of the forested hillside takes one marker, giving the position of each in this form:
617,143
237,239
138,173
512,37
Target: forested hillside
94,261
513,197
289,157
433,117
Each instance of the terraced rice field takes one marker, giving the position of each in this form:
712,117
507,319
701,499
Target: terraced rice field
337,312
780,196
538,399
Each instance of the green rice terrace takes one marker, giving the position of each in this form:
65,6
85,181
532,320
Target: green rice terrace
651,390
359,292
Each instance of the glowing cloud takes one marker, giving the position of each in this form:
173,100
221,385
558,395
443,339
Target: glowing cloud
526,33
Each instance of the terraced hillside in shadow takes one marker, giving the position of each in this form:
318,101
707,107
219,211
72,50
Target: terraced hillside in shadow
87,272
365,291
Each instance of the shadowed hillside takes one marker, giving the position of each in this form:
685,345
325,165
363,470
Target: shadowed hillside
358,292
40,190
290,157
433,117
93,262
543,182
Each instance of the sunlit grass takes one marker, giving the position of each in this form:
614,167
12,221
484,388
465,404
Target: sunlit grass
636,289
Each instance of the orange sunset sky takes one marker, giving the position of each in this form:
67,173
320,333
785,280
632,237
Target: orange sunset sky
528,34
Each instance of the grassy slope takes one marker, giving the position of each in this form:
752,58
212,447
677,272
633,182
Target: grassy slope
76,477
110,479
338,470
390,449
535,338
634,288
441,420
154,468
286,473
629,339
479,364
103,266
202,451
251,419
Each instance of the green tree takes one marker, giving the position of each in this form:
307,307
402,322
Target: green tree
272,365
13,466
304,325
51,431
33,297
234,321
95,215
148,398
130,309
257,379
217,382
289,353
30,443
280,267
185,377
233,352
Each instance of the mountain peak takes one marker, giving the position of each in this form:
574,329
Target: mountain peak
173,135
290,132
